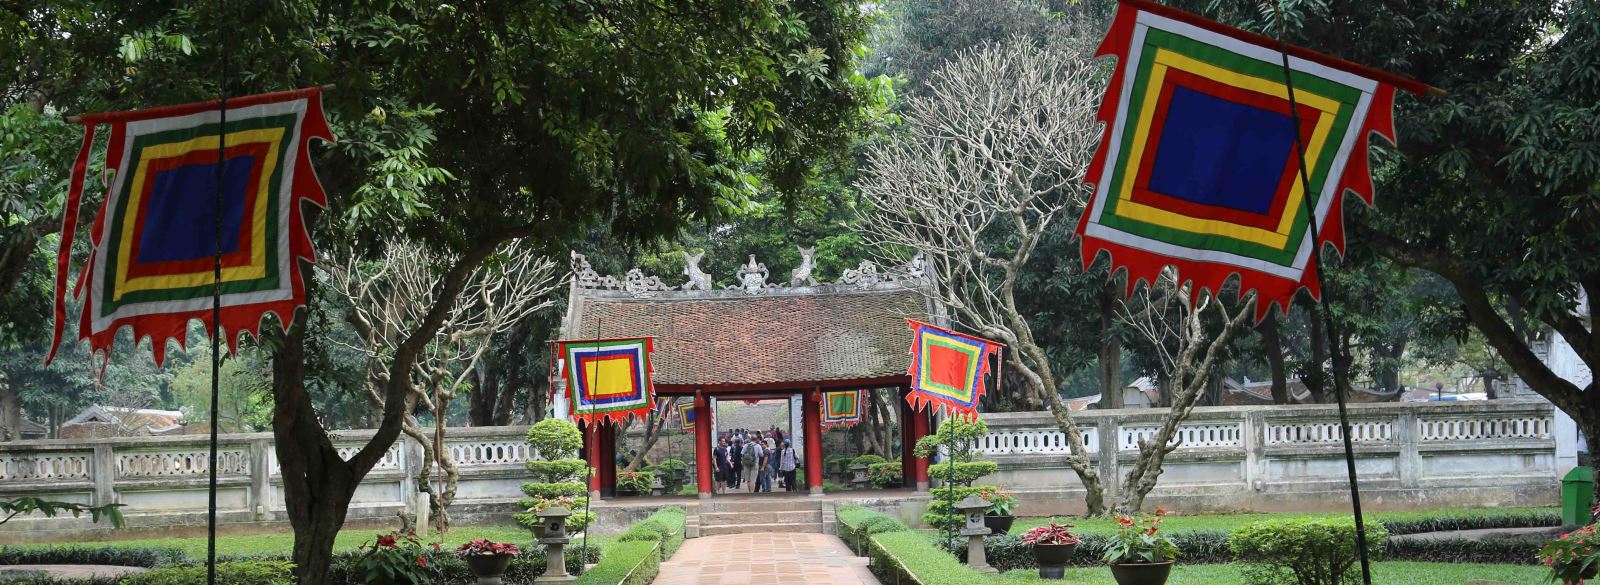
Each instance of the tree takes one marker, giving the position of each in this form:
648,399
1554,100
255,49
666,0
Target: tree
989,159
1173,319
385,298
245,403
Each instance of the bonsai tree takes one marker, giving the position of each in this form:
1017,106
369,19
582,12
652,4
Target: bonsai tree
561,475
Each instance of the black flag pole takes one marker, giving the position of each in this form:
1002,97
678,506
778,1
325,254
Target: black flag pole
1340,376
216,301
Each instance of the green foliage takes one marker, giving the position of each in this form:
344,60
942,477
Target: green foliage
901,557
1483,520
1007,552
674,474
232,573
867,460
555,439
956,435
635,482
559,470
1303,552
886,475
128,556
568,489
626,563
939,513
50,508
1515,550
244,386
665,526
829,487
394,557
856,524
1139,540
964,472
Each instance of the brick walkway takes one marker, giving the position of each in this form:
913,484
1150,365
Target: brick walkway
765,559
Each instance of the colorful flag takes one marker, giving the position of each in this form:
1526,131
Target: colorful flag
156,236
1198,167
947,368
686,416
842,408
607,379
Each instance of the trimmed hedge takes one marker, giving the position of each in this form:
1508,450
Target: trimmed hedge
147,557
1522,550
1007,552
626,563
665,526
907,558
857,524
232,573
450,569
1474,522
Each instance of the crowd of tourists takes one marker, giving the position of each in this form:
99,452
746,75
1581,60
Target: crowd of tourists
753,461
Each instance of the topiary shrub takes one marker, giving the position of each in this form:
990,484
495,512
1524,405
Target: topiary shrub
143,556
1302,552
561,477
857,524
635,482
939,514
964,472
867,460
232,573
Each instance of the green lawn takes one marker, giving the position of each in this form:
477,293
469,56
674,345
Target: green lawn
1228,522
282,543
1385,573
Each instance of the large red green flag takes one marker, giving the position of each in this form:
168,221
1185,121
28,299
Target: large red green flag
608,379
947,368
165,221
1199,166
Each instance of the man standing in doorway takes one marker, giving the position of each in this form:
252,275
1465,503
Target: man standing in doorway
752,456
786,465
724,467
735,455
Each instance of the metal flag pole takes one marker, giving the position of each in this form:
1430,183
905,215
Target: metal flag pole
216,302
1339,375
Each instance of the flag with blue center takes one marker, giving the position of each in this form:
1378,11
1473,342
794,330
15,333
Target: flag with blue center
185,193
1199,168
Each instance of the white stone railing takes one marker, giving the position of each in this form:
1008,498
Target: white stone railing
157,478
1268,455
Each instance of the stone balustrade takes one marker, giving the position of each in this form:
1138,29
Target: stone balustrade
1228,458
1492,453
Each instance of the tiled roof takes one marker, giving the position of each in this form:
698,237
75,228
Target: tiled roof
766,340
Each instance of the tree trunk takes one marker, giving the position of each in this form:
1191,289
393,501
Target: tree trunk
1314,377
10,412
1389,371
506,404
484,396
1110,350
317,483
1273,344
652,432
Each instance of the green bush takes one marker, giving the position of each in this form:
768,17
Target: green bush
555,438
940,515
964,472
956,435
829,487
232,573
1007,552
636,482
147,557
1302,552
450,569
565,489
1522,550
890,474
674,475
867,460
558,469
625,563
902,557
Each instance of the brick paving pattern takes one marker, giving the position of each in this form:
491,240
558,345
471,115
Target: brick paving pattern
765,559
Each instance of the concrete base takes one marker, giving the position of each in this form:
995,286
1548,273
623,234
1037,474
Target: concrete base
922,487
705,495
816,491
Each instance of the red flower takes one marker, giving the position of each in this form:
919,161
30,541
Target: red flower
385,540
1161,511
422,561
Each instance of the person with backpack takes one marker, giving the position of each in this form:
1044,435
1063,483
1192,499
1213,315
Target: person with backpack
752,456
735,456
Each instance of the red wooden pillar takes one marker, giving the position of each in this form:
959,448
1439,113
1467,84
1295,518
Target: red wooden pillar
702,447
591,452
908,441
608,458
921,425
813,423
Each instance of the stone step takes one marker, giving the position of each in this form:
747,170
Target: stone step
764,517
770,505
813,528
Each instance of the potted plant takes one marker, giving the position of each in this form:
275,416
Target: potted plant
396,558
488,559
1052,548
1573,558
1001,505
1138,553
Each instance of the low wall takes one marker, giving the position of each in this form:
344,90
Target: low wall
1291,458
1269,458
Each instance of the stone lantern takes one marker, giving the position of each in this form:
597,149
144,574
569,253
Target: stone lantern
972,509
858,475
555,539
656,486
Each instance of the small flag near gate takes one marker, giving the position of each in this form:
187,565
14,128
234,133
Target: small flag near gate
947,368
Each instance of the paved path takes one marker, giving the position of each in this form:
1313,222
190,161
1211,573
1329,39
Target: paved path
765,559
74,571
